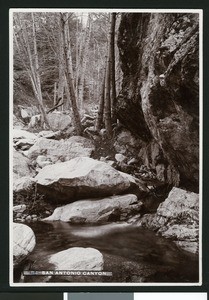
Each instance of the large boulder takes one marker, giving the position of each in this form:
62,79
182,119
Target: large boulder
19,208
77,258
23,134
17,123
114,208
23,139
23,185
43,161
24,144
49,134
35,121
58,120
61,150
21,166
83,177
25,115
177,218
27,112
24,242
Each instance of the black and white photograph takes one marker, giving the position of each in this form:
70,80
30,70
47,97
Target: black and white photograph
105,147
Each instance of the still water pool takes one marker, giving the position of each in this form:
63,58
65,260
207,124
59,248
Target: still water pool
132,254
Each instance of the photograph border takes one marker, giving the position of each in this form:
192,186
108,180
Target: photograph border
204,214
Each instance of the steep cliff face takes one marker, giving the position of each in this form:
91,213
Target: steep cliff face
159,100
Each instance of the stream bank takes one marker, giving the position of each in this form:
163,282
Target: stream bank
85,203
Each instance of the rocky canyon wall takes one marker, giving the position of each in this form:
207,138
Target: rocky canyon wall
159,99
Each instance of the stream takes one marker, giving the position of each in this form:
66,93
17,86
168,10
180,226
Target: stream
132,254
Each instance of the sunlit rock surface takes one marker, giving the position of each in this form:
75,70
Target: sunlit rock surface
21,166
61,150
24,242
177,218
78,258
83,177
115,208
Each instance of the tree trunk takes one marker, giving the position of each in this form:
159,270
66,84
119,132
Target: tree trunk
112,53
81,41
101,104
60,89
107,105
84,63
68,72
55,93
33,69
37,75
67,92
36,58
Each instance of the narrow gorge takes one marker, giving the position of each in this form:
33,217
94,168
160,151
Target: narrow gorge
124,208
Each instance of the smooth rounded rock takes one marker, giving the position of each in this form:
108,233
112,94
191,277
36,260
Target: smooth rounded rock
113,208
78,258
21,166
24,242
82,178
